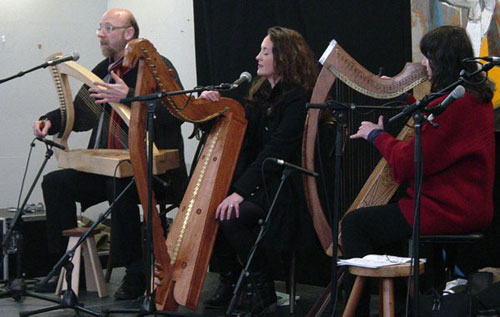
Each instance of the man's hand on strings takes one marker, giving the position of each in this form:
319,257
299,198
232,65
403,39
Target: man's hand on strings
41,128
106,92
366,127
157,276
227,206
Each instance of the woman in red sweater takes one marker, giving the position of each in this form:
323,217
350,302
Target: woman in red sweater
458,160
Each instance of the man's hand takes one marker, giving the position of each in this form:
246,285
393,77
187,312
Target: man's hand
106,92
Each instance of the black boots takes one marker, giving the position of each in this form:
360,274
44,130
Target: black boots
261,297
133,286
224,292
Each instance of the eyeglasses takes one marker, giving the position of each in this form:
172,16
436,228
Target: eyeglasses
110,28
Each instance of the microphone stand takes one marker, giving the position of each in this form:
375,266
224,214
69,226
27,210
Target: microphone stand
341,122
148,306
419,166
22,73
287,171
419,119
148,303
13,241
69,298
162,94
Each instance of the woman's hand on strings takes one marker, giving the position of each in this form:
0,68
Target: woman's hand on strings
227,206
366,127
107,92
41,128
210,95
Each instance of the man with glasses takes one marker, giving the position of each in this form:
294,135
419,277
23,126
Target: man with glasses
63,188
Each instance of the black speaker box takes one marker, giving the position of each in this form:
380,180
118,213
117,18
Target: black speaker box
34,256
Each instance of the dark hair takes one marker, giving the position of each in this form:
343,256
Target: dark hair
446,47
293,60
133,23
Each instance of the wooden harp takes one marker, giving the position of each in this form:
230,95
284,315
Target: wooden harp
184,256
109,162
379,187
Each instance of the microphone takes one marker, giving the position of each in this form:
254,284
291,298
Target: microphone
74,56
244,77
51,143
295,167
492,59
457,93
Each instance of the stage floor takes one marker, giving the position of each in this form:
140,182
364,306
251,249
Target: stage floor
9,307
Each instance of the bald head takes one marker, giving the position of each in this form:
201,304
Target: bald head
116,28
123,17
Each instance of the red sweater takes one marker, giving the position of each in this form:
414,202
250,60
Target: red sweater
459,162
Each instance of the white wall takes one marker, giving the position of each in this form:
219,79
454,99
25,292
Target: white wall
31,30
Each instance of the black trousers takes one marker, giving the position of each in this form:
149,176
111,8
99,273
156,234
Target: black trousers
62,189
236,238
378,230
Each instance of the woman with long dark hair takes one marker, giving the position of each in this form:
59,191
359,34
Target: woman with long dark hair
276,111
458,160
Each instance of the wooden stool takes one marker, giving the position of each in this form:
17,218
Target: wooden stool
386,275
93,270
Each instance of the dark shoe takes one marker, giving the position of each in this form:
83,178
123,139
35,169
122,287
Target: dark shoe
224,291
133,286
261,296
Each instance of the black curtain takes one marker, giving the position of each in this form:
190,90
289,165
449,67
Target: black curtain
229,33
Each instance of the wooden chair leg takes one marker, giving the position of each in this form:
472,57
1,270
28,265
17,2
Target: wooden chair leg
109,268
93,269
321,303
357,291
109,265
387,297
324,298
75,274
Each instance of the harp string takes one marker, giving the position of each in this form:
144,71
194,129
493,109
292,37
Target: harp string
97,109
359,158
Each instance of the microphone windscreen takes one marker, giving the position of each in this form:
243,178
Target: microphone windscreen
458,92
247,75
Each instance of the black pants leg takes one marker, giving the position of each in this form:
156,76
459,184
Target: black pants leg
372,230
237,235
126,236
62,189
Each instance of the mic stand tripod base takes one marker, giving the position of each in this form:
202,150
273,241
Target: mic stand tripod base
17,288
68,298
